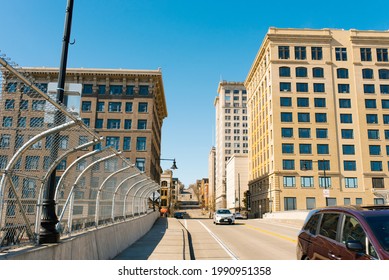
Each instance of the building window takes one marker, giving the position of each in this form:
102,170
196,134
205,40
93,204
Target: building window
305,148
386,119
128,107
5,140
324,165
347,133
343,88
9,104
367,88
114,107
304,133
341,54
144,90
142,107
286,101
288,164
302,102
290,203
342,73
370,103
32,163
86,121
87,89
378,183
384,89
319,87
320,102
36,122
141,143
100,106
321,133
286,117
140,164
23,105
374,150
351,182
318,72
22,122
287,148
113,124
322,149
349,165
284,71
302,87
129,90
307,182
321,117
99,123
127,124
373,134
287,132
385,103
372,118
283,52
285,86
300,53
301,72
348,149
344,103
102,89
305,164
115,90
346,118
289,181
303,117
367,73
379,201
142,124
376,165
383,74
382,54
113,142
86,106
365,54
127,144
11,87
317,53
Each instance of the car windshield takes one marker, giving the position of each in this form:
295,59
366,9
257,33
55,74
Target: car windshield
380,227
224,211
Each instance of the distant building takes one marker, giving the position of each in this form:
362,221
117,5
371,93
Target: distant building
231,132
319,119
237,181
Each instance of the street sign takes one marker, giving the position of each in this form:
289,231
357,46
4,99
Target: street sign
326,193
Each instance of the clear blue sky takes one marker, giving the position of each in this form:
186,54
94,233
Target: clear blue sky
196,43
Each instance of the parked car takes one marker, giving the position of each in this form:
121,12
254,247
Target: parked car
345,233
239,216
223,216
179,215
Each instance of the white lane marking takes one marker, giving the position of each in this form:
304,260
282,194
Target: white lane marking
228,251
186,224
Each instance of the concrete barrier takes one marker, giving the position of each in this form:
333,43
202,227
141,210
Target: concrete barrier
295,217
102,243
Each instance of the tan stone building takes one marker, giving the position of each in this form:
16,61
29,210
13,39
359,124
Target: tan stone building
126,107
318,119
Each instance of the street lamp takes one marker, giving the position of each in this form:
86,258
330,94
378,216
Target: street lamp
174,166
305,168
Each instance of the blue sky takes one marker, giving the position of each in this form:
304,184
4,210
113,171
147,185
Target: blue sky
196,43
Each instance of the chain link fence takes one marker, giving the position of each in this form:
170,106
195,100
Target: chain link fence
95,186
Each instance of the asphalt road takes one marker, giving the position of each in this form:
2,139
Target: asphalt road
246,240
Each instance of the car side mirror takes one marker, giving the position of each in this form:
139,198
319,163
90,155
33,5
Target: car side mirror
354,245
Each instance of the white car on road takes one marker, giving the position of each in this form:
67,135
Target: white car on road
223,216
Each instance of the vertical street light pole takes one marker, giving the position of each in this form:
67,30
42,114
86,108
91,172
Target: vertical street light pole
48,232
239,190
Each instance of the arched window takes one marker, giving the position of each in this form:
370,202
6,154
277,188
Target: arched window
342,73
164,183
318,72
284,71
367,73
301,72
383,74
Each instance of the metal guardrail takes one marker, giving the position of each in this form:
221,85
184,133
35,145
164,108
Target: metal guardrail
95,185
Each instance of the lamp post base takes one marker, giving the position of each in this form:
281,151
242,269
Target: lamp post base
48,232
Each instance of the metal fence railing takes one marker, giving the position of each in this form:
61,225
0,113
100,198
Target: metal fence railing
95,186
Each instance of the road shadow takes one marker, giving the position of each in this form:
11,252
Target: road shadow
144,247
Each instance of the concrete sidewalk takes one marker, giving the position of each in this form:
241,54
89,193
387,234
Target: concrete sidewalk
166,240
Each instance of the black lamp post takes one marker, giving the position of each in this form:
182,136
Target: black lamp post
48,232
305,168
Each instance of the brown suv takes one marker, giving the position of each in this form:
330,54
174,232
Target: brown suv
345,233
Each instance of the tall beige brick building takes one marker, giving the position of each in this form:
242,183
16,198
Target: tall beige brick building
318,103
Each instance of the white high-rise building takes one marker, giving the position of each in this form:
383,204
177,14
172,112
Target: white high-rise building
231,132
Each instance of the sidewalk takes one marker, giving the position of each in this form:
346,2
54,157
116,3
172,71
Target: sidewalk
166,240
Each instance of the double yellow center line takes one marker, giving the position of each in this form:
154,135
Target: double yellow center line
271,233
